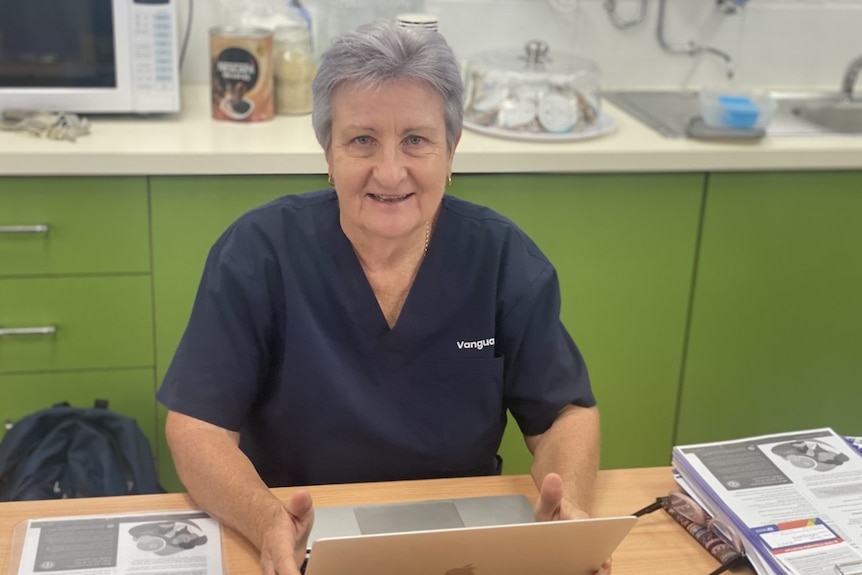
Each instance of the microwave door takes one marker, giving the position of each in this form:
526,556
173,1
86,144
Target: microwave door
80,55
154,56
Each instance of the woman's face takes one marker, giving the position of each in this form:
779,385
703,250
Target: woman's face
388,157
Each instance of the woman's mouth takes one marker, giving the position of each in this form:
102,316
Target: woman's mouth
389,199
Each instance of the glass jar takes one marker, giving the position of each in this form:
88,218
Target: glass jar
294,69
332,18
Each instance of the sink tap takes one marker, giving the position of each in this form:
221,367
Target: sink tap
728,61
692,48
850,76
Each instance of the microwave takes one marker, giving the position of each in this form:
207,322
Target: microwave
95,56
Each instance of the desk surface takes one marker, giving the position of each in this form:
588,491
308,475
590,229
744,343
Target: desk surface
656,544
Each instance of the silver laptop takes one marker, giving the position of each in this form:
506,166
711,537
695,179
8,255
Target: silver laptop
372,519
493,535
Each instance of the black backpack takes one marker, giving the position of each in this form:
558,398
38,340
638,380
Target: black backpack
64,451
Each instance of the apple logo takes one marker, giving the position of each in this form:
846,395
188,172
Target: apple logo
465,570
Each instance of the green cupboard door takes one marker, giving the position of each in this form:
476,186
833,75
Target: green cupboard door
623,247
128,391
776,328
188,215
92,225
100,322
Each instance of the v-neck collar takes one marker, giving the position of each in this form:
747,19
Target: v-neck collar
365,311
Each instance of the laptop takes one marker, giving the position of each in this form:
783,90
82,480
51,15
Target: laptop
493,535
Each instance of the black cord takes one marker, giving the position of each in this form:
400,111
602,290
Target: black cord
737,561
187,33
657,504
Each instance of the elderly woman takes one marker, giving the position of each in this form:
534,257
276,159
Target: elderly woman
380,329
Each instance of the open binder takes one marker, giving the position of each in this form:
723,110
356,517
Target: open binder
792,499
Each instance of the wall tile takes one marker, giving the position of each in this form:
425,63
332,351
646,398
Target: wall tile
801,43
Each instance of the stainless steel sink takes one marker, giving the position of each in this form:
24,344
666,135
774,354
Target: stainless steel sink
797,113
842,117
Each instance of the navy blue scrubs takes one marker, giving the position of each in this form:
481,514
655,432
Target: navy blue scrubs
287,345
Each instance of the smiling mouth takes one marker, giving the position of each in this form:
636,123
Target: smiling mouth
389,199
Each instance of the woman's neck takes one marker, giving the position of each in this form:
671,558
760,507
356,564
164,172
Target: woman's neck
391,267
379,255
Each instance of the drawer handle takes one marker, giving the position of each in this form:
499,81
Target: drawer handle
47,330
37,229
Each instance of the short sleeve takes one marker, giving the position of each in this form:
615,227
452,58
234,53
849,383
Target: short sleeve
544,370
225,352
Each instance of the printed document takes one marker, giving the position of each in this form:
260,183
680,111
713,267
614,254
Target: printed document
175,543
794,498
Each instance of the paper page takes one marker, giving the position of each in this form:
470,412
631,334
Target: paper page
175,543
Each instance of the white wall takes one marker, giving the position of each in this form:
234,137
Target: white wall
778,43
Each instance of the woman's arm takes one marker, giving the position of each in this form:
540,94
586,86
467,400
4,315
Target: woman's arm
570,449
224,483
565,464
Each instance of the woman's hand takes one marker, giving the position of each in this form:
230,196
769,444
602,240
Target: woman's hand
553,505
285,540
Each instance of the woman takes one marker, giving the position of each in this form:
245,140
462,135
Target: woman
378,330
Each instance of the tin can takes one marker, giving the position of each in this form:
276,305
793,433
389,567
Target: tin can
242,74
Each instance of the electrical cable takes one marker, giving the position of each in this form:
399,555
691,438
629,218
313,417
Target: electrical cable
187,33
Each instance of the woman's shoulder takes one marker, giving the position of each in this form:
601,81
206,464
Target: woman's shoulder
292,218
477,212
298,212
483,222
301,205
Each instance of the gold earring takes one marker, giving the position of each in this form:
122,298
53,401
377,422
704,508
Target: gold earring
449,180
331,181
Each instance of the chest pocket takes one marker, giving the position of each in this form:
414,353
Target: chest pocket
468,398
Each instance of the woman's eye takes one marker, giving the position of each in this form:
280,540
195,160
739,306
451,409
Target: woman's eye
362,140
415,140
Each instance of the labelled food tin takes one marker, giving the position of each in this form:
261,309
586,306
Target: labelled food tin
242,74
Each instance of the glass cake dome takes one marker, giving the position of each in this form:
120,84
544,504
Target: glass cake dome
533,94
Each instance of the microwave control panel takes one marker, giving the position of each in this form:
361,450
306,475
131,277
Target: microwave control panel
154,55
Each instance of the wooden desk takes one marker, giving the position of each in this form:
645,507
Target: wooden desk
655,545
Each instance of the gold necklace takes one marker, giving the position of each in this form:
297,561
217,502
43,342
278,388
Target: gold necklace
427,238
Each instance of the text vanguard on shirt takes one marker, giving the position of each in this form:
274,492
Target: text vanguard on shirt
479,344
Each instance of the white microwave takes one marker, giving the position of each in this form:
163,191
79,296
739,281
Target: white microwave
95,56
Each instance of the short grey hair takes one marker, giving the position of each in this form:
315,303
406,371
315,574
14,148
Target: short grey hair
382,52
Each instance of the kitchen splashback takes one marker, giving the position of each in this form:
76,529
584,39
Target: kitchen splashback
773,42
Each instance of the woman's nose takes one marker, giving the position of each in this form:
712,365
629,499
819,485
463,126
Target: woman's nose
390,168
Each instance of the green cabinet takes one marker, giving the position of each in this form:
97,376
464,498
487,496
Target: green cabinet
624,247
100,322
91,225
776,325
75,265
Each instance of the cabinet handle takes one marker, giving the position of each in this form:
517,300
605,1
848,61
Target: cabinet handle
47,330
37,229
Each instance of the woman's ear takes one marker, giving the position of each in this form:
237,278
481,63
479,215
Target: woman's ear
452,152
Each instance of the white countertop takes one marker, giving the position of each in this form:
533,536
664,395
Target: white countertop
192,143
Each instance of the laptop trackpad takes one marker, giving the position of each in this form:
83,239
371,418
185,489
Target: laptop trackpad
410,517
